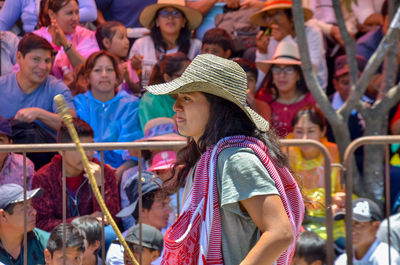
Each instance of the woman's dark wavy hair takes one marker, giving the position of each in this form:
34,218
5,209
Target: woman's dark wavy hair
183,39
273,90
168,64
221,111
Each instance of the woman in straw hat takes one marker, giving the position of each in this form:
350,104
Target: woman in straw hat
241,205
170,23
278,18
285,91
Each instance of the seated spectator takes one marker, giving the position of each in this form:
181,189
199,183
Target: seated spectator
218,42
159,129
169,67
74,242
112,115
286,91
12,164
28,96
59,20
155,209
9,44
368,14
368,43
27,11
91,227
308,163
261,107
165,37
367,249
12,226
79,194
112,37
310,250
277,17
152,244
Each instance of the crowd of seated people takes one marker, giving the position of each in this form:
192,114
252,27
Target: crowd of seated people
101,54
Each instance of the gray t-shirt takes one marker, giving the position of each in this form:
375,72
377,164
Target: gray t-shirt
240,175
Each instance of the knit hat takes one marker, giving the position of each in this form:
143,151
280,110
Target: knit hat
217,76
258,18
148,15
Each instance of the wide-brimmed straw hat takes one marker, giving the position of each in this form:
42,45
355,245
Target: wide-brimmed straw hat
217,76
286,52
148,15
258,18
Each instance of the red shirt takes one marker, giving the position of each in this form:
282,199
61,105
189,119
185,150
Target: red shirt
282,114
49,205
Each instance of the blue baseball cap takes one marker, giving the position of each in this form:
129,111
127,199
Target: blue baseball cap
5,127
14,193
150,182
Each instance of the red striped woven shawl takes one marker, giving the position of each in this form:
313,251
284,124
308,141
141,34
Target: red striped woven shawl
195,238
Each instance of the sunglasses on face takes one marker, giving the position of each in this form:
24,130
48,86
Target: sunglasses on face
287,70
166,13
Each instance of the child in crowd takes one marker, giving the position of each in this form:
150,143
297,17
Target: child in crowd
152,243
112,37
217,41
310,250
257,105
79,194
91,227
74,246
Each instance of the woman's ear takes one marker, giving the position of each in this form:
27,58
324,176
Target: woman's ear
107,43
52,15
323,132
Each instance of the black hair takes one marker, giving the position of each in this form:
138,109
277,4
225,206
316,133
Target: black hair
183,40
90,226
167,64
385,8
311,247
220,37
148,200
273,90
10,208
106,30
32,42
248,66
82,128
74,238
314,114
221,111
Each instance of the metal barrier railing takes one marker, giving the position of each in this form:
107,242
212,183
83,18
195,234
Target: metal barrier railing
24,148
348,165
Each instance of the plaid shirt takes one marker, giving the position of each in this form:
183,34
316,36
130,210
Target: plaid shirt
13,170
49,205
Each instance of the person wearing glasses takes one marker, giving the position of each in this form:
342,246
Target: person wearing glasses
285,91
170,23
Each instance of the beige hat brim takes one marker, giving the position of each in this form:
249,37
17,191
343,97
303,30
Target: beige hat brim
258,19
265,65
181,85
147,16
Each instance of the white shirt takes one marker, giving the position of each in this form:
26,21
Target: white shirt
377,254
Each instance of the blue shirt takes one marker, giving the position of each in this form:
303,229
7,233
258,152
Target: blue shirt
116,120
13,98
367,44
125,11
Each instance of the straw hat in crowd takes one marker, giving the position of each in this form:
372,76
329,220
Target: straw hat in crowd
217,76
286,52
258,18
148,15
